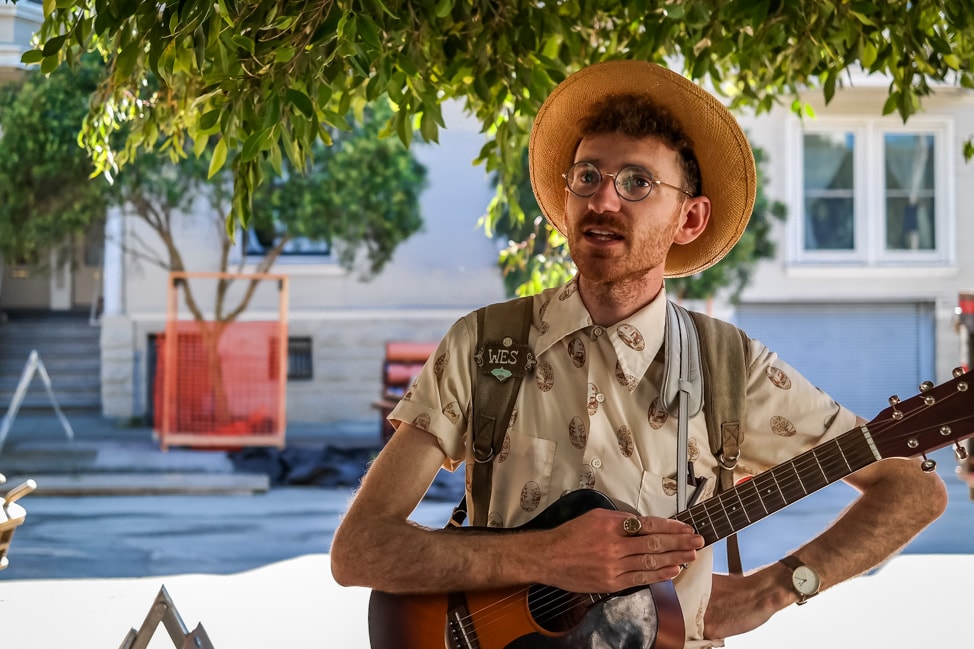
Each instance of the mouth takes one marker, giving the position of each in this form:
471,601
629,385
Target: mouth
599,235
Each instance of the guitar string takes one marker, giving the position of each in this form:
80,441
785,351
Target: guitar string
828,460
827,457
834,455
550,605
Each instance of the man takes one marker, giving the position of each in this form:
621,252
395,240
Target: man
648,176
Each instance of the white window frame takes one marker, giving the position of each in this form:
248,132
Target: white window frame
869,201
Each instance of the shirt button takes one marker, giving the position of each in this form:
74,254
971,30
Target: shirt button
596,463
600,397
598,331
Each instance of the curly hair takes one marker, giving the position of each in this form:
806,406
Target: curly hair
637,116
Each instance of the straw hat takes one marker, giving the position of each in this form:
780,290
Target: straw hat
722,150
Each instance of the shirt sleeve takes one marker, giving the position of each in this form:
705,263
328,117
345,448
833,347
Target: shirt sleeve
438,401
785,413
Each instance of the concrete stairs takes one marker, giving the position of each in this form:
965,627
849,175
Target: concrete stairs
67,344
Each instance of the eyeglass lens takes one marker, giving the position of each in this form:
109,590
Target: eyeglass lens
632,183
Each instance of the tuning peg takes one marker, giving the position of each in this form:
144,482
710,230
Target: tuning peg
928,465
926,386
957,372
894,401
960,452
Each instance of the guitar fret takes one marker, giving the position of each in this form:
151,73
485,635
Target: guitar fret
733,512
811,479
729,528
842,453
754,488
818,463
704,528
801,484
770,492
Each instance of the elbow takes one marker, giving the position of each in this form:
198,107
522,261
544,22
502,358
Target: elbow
928,493
344,560
937,497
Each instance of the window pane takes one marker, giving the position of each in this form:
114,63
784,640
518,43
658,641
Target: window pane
259,242
909,183
829,224
829,182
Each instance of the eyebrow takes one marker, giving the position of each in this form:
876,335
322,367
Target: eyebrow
598,163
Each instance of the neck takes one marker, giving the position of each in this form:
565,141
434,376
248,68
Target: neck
614,301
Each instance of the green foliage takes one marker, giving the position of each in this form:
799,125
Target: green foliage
536,255
45,192
267,79
362,192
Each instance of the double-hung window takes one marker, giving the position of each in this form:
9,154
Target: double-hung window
873,192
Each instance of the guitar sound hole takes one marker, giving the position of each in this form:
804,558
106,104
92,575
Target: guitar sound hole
557,610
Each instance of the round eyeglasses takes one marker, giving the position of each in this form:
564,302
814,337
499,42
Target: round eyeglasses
632,183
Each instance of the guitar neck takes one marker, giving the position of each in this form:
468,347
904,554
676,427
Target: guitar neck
766,493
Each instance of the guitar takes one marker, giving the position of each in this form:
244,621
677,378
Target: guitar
544,617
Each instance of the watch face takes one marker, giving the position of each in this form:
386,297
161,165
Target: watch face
805,580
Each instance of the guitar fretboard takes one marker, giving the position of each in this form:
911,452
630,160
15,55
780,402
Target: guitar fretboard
766,493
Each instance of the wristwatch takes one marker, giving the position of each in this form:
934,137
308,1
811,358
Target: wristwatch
803,578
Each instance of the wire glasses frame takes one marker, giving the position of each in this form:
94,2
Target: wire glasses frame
631,183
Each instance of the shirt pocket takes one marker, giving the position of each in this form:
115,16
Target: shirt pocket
657,495
522,480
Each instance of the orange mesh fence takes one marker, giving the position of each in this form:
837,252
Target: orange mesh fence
221,384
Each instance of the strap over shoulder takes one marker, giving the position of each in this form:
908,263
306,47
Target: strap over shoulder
681,367
502,358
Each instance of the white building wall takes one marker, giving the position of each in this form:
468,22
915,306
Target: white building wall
782,280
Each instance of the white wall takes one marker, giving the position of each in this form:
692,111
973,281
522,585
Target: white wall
778,280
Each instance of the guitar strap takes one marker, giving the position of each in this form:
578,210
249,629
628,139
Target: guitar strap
502,359
725,362
709,372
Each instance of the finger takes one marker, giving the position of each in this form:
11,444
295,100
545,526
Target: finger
654,525
642,577
653,561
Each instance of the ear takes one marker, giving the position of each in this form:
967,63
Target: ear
696,216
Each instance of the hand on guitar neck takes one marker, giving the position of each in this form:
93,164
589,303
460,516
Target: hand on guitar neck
592,553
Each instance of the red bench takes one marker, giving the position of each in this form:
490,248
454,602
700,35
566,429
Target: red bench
402,363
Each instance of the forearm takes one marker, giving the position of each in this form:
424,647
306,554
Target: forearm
897,501
890,512
399,557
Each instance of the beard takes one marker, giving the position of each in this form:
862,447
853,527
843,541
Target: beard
637,254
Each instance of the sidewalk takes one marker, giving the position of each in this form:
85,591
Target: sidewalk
106,457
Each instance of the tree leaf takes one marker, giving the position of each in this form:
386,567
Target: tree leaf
218,158
301,101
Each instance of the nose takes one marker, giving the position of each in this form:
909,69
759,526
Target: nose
606,198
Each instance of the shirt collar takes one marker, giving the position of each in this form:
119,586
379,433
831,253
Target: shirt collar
636,339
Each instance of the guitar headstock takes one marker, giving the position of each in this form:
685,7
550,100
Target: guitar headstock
937,416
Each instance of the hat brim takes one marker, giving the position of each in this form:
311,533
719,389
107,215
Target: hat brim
721,148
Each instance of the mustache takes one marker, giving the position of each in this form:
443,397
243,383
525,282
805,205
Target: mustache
596,221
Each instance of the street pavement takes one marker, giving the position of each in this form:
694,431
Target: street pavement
250,563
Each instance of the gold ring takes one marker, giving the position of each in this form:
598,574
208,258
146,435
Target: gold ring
631,526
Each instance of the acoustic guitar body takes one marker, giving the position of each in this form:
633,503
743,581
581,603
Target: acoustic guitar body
531,617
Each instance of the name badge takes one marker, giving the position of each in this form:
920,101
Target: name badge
504,360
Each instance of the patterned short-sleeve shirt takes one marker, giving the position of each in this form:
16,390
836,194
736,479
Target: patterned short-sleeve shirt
590,417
